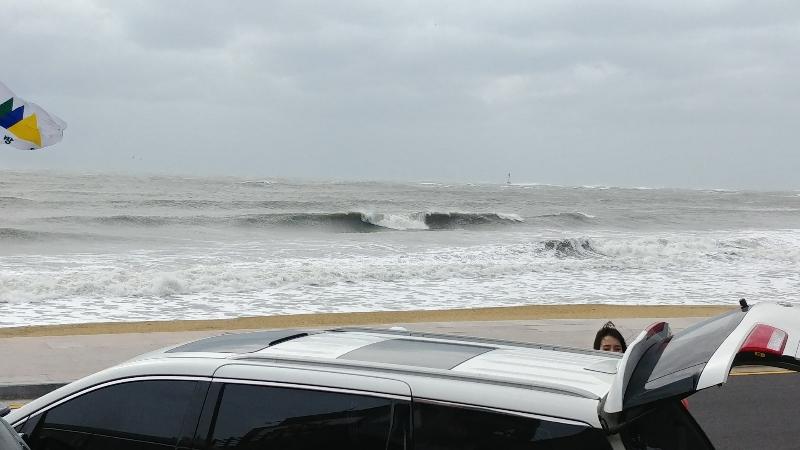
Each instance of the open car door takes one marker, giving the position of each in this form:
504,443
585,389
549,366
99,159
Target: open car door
660,366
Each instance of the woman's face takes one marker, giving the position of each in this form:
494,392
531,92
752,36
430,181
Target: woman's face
611,344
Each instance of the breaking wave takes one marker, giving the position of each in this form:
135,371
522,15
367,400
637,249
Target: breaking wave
341,222
358,221
352,221
463,220
570,248
670,250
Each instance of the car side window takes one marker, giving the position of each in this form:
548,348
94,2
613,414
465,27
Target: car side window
127,416
441,427
261,417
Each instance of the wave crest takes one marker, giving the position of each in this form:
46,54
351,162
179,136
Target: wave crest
350,221
360,221
570,248
339,222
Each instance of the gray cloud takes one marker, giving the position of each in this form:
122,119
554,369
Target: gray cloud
691,94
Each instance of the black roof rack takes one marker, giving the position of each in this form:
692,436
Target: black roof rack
246,342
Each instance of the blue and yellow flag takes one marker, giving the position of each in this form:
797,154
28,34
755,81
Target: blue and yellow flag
26,125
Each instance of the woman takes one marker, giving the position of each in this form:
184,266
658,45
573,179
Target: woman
609,339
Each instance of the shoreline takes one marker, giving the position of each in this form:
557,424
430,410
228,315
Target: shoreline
527,312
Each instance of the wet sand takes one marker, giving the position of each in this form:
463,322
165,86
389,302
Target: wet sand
530,312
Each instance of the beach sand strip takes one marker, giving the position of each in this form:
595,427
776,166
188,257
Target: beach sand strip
529,312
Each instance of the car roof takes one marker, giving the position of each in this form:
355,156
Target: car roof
574,371
547,380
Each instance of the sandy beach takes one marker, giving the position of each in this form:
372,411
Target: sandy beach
530,312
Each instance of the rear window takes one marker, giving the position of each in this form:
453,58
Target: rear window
668,427
671,367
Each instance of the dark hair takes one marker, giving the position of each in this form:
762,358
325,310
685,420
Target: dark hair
609,330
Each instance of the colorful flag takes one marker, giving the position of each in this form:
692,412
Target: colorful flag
25,125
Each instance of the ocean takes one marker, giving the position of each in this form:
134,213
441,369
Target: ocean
101,247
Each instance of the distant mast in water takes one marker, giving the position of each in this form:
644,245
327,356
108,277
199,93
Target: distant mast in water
508,179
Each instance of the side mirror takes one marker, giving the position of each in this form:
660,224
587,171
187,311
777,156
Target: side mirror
4,410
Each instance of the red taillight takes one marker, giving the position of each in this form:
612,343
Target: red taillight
656,328
765,339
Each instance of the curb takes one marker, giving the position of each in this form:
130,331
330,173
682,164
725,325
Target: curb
26,391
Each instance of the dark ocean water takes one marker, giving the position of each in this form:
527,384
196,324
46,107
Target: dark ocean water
77,248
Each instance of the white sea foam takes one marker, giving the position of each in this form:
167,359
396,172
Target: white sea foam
396,221
511,217
359,275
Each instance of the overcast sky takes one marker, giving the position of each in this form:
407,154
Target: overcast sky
681,93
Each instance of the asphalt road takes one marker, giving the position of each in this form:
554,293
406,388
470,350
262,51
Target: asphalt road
751,412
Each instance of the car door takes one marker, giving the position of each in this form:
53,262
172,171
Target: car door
260,406
659,365
143,413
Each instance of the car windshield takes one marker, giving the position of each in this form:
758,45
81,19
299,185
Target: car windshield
668,427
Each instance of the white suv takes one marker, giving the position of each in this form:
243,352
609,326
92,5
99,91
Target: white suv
389,389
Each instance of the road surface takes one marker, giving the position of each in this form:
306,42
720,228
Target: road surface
751,412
